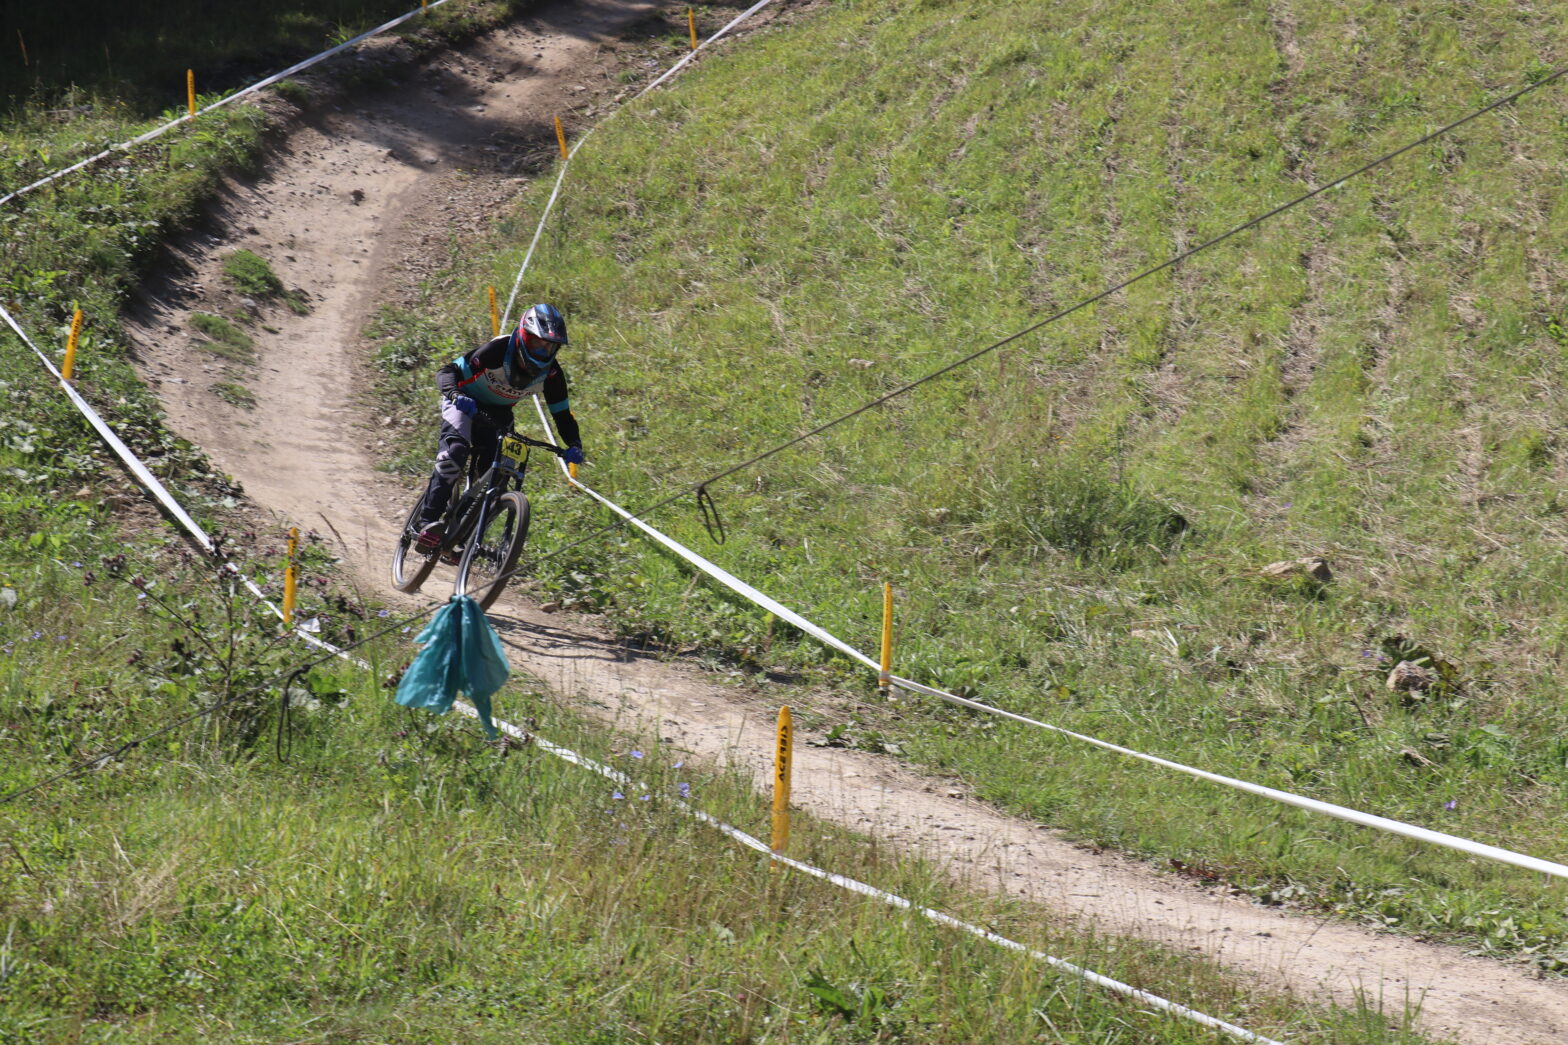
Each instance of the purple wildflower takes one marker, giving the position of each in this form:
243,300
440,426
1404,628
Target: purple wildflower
1452,803
685,789
636,754
616,794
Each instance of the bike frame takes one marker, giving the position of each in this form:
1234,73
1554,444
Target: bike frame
468,516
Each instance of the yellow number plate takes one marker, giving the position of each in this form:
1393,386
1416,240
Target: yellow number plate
513,448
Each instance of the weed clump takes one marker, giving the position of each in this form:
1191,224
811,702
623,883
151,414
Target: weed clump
249,273
235,395
1079,510
223,337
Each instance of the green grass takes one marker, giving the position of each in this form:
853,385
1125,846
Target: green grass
139,52
1074,525
235,394
250,274
397,876
225,338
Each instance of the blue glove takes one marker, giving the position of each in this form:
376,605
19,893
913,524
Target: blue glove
465,405
572,455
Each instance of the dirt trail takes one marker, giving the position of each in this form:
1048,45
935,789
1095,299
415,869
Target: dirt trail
347,207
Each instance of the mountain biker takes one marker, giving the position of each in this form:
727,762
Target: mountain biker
478,390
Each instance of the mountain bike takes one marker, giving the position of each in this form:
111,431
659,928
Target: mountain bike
485,529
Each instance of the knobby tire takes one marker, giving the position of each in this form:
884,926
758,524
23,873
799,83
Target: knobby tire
403,578
493,548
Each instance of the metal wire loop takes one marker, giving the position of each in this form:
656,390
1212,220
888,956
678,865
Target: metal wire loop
709,510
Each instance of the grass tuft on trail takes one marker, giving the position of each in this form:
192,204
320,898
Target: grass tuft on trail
1075,525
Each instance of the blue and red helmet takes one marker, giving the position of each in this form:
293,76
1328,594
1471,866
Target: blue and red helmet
539,336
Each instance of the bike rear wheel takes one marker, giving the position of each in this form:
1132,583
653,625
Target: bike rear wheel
491,551
409,567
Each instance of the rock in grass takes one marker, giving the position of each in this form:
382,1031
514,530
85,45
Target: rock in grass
1314,566
1407,677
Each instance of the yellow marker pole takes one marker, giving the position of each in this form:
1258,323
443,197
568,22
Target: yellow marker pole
560,136
571,470
290,574
190,90
885,679
782,757
70,346
691,23
495,317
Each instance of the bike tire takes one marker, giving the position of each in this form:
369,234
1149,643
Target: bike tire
491,551
409,567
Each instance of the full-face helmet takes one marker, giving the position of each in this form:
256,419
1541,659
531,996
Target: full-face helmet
538,337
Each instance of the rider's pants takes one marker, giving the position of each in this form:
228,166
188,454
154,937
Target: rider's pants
461,435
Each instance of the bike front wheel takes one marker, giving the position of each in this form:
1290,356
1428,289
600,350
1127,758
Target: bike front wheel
491,551
409,567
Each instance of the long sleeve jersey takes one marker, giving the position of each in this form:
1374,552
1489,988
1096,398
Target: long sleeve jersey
482,376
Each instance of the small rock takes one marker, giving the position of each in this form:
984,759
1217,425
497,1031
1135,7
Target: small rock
1314,566
864,364
1407,676
550,607
1416,758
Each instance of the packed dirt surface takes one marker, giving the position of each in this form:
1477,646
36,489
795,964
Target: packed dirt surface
348,208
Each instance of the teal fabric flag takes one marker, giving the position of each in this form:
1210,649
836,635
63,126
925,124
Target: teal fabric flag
462,653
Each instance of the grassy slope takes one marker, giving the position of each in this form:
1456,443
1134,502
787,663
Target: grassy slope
396,879
1376,378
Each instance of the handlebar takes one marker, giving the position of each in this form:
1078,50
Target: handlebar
541,444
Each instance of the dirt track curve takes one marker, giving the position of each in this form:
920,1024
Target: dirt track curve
347,207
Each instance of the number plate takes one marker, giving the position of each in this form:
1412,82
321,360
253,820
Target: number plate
514,450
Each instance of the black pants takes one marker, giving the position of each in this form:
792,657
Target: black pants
453,451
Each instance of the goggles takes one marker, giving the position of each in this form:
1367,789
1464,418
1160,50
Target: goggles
538,349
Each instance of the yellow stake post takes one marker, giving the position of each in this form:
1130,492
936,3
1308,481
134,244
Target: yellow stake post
782,757
885,679
190,90
70,346
495,317
560,136
290,578
691,23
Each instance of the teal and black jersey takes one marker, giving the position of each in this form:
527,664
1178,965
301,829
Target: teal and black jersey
482,375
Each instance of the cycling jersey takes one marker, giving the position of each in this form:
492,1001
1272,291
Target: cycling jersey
482,376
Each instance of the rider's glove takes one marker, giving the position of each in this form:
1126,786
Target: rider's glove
465,405
572,455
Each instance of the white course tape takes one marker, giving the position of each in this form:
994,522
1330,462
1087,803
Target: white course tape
150,482
506,315
126,146
678,66
892,899
1382,823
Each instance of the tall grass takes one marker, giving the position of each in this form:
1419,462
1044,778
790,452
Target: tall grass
398,878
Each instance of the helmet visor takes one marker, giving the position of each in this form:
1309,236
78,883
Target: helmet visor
538,350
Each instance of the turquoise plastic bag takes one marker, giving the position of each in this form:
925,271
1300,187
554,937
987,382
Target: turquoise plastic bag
461,654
